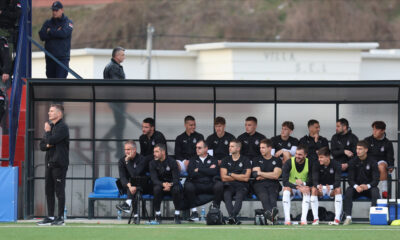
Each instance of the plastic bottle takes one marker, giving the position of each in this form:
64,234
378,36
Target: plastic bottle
119,215
65,213
203,214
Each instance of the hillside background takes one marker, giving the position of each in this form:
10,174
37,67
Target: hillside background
108,23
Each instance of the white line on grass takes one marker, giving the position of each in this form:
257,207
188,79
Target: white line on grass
333,228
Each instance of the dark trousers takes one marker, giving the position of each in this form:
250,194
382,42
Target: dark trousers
352,194
192,189
55,185
237,189
175,192
53,70
267,193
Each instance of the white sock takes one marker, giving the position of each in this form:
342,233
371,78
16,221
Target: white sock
129,202
286,205
194,210
304,207
52,218
177,212
348,217
384,185
158,213
338,206
136,215
314,206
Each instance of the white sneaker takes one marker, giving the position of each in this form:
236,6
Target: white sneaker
336,222
315,222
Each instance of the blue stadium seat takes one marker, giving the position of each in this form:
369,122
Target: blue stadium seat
105,187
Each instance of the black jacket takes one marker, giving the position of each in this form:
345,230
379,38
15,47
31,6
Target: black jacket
251,144
10,13
363,172
205,173
330,174
166,171
147,145
58,38
5,57
114,70
381,150
341,142
57,155
134,168
220,146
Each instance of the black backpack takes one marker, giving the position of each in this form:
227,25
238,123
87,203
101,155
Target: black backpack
214,216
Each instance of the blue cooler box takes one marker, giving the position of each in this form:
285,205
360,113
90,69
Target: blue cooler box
392,209
378,216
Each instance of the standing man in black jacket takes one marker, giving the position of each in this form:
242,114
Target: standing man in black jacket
115,71
381,149
57,32
130,167
363,179
165,177
202,173
56,144
343,144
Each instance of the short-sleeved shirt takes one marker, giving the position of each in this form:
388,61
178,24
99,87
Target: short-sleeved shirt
278,143
267,165
238,167
185,145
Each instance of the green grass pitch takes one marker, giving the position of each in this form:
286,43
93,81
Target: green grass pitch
76,231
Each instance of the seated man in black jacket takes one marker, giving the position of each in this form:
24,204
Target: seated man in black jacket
130,166
202,173
164,174
343,144
363,179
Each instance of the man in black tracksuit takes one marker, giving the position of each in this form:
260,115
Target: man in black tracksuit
266,170
313,140
57,32
219,141
363,179
185,144
284,146
251,139
343,144
235,173
56,144
165,177
149,139
381,149
202,171
132,176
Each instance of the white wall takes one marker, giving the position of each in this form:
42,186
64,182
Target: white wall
381,65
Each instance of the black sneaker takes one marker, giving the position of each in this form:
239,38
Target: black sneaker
124,207
231,220
45,222
274,213
177,219
59,221
268,218
237,221
158,219
194,217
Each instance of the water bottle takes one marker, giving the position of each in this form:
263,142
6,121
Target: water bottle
119,215
203,214
65,213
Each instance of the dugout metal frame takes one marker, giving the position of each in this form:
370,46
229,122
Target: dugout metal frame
65,90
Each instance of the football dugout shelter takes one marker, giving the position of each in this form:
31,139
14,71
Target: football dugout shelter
102,114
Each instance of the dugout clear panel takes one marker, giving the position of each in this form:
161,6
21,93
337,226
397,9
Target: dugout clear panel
63,92
78,116
124,93
184,93
235,115
170,118
244,94
299,114
361,116
121,120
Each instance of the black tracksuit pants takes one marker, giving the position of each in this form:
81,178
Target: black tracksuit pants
237,189
175,192
192,189
267,193
55,186
352,194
